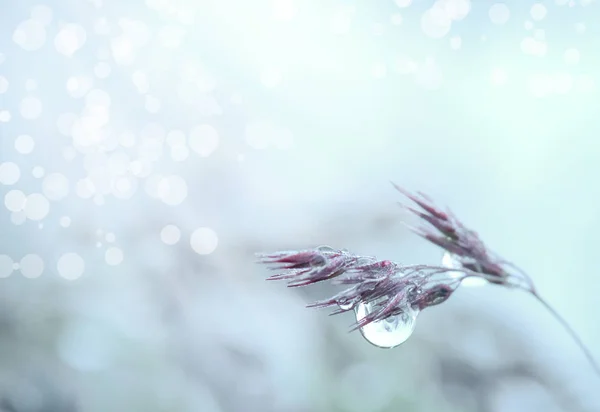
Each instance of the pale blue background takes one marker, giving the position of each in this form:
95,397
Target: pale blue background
171,330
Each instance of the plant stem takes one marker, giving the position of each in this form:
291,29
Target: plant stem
569,330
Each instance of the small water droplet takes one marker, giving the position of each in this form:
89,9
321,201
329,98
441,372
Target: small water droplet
452,261
390,332
345,305
325,248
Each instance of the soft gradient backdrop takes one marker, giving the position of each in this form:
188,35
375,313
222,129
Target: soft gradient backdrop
149,149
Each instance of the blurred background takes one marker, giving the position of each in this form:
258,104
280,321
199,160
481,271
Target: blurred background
149,149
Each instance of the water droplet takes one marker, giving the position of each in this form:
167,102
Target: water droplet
390,332
452,261
325,248
345,304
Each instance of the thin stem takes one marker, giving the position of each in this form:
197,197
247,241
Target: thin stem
524,274
570,330
532,290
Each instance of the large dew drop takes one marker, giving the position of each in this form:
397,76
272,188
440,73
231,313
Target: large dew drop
450,260
389,332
